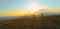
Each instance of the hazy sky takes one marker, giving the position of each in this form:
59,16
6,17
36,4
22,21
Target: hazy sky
20,7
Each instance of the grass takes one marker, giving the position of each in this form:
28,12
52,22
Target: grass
42,22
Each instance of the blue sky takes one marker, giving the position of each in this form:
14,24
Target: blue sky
20,5
51,3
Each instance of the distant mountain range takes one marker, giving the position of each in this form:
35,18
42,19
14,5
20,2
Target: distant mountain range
49,13
10,17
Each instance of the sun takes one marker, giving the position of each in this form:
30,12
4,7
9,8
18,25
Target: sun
34,6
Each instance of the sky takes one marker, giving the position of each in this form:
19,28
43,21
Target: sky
23,7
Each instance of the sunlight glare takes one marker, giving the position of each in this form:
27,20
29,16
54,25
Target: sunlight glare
32,7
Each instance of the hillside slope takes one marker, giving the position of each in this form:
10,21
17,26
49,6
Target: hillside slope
44,22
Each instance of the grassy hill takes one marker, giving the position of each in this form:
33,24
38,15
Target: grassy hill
42,22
